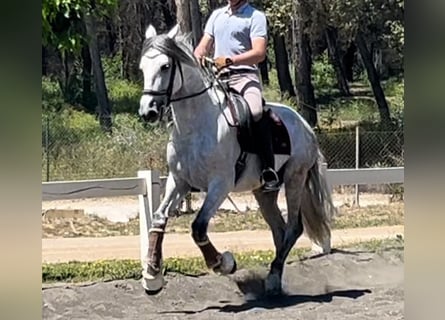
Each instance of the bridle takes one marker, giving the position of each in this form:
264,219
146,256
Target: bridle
168,92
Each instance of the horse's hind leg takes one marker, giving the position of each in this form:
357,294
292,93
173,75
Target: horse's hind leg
272,215
294,183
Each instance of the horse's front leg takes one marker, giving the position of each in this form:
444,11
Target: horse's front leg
221,263
175,191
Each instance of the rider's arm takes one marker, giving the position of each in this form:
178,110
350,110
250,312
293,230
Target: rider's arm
254,55
204,46
258,38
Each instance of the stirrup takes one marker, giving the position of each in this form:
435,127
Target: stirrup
271,180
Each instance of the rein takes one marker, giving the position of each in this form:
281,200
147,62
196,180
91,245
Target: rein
193,94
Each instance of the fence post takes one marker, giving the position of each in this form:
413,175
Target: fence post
357,163
148,203
47,148
188,203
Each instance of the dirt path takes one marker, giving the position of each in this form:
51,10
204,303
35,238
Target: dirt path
177,245
353,284
121,209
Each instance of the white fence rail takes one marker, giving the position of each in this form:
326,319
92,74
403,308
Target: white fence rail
149,187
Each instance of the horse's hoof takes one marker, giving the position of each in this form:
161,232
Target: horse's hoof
272,285
152,284
228,264
152,293
324,248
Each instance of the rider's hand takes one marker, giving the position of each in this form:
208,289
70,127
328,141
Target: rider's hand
222,62
200,56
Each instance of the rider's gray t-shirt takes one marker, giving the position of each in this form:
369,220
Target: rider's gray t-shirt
232,33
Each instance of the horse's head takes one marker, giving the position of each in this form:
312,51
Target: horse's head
163,75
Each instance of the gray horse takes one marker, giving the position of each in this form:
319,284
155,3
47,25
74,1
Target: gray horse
202,154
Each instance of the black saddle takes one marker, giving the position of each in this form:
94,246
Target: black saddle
238,114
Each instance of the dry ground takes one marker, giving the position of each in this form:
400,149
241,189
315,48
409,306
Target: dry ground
353,284
119,217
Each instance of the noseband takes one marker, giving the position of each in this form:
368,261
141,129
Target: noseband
168,91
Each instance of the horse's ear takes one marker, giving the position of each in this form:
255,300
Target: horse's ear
150,32
174,31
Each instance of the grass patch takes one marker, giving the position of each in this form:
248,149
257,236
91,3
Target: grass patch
103,270
107,270
379,246
371,216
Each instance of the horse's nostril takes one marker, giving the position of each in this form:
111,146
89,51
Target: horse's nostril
150,116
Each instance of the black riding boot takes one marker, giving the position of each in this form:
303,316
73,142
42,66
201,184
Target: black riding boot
263,133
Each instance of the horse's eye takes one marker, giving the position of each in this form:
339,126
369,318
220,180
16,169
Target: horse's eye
165,67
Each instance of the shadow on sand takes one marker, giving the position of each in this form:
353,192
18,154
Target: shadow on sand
251,284
279,301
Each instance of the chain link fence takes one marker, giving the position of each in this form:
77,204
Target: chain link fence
363,149
69,154
73,153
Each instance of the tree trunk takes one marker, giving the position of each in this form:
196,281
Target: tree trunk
348,62
373,79
303,67
64,79
112,36
264,70
183,15
282,65
44,62
195,15
381,68
334,54
169,13
213,4
87,95
132,30
101,89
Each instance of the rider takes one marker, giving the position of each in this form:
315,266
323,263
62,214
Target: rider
238,32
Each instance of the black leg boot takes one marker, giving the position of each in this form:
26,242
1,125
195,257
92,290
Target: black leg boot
263,133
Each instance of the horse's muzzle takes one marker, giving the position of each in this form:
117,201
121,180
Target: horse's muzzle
150,109
151,116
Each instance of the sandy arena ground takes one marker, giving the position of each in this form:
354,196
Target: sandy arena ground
351,284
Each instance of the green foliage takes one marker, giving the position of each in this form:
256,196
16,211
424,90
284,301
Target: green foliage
124,95
52,96
61,21
361,109
272,92
380,21
78,149
112,66
279,15
323,74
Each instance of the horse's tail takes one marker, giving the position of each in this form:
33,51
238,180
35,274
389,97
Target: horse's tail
317,208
